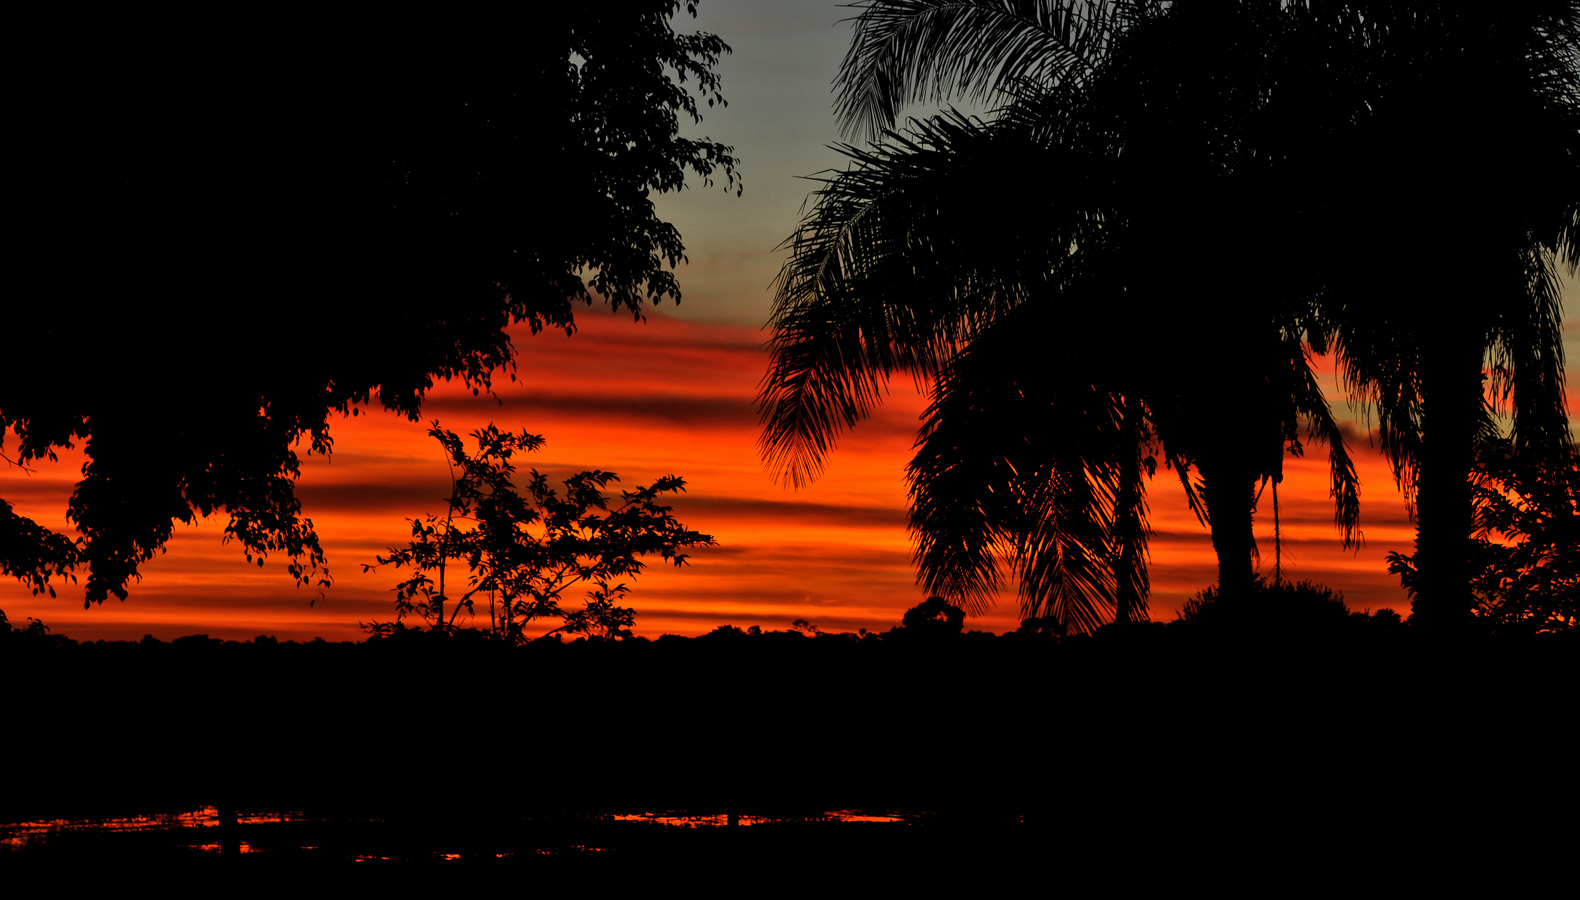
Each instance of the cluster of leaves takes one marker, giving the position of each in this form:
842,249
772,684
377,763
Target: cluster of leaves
371,217
1525,551
522,548
39,553
624,137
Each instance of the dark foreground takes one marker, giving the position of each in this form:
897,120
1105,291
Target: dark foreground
1150,752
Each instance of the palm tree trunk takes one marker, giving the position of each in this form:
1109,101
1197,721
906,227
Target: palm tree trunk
1126,600
1230,477
1452,403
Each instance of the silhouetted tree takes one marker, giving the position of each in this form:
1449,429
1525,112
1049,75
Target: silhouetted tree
524,549
934,617
1035,628
1139,140
1466,102
222,242
806,628
725,632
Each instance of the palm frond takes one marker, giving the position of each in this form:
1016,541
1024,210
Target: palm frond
1130,532
1528,361
1379,358
1344,483
902,261
1020,470
919,50
1519,66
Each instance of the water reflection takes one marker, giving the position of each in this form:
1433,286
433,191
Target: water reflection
19,835
721,820
200,829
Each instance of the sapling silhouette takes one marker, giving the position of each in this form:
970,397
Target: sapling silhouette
523,548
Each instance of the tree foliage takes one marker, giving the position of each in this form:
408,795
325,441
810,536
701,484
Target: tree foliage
296,222
1049,273
522,547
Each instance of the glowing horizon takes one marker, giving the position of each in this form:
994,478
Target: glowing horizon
668,396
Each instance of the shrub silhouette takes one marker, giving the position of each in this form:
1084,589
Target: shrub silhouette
1283,609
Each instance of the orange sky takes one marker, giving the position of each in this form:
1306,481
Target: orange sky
645,400
674,395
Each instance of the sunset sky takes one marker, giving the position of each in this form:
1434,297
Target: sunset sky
674,395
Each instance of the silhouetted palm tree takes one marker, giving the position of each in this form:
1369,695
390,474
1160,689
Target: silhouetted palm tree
1467,157
1047,308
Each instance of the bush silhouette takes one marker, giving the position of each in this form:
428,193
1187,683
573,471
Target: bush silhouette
1283,609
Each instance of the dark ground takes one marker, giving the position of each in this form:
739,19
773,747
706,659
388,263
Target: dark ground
1148,755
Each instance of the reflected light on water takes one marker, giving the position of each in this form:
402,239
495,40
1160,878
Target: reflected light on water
17,836
242,847
721,820
198,829
850,815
